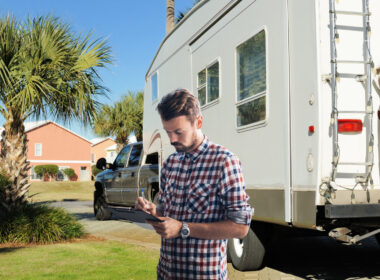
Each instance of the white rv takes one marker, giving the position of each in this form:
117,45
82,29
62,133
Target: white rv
290,87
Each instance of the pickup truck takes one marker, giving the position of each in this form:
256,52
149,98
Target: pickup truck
122,181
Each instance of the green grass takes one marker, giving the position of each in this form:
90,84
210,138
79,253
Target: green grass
58,191
79,260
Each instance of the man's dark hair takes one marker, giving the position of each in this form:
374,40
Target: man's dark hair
179,103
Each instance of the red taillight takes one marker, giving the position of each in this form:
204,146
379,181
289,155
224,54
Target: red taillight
350,126
311,129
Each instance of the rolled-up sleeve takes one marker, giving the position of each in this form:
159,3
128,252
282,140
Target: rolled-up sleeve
233,196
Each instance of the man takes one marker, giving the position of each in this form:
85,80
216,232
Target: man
202,199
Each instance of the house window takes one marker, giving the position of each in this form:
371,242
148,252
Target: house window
38,149
208,84
251,80
61,176
154,87
33,175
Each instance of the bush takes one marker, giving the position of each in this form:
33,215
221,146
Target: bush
69,172
95,171
49,170
34,223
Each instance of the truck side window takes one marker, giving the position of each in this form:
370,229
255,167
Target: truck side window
122,157
134,158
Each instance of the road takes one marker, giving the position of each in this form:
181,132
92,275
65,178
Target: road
294,258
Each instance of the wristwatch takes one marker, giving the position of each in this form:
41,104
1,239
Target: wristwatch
185,230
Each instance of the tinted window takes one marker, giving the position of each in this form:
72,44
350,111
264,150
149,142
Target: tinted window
208,84
134,158
122,157
251,76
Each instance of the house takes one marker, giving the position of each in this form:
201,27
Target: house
51,143
103,148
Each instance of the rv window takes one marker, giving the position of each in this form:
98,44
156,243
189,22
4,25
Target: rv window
208,84
154,87
251,75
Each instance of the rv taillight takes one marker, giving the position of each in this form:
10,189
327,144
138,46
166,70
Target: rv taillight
350,125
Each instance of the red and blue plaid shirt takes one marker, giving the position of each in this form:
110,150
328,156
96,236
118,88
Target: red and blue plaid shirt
203,186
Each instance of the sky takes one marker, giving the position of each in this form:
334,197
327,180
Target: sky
134,30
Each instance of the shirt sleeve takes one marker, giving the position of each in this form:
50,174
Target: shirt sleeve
233,195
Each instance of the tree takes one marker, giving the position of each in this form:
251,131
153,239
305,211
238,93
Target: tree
44,68
169,16
182,14
122,119
47,170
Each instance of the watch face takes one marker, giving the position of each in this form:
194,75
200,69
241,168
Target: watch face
185,231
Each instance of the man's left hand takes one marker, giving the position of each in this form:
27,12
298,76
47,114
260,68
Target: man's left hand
168,229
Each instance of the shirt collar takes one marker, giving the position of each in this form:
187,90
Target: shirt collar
194,154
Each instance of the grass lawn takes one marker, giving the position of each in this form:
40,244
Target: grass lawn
58,191
79,260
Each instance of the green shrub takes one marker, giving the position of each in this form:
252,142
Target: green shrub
34,223
95,171
69,172
49,170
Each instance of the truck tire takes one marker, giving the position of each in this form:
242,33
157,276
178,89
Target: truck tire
101,209
247,253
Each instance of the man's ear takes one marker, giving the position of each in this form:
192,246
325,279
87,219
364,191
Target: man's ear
199,122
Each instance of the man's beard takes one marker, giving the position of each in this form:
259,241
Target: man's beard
183,149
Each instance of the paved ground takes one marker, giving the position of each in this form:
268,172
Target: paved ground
296,258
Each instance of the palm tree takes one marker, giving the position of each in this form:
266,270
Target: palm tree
44,69
182,14
122,119
169,16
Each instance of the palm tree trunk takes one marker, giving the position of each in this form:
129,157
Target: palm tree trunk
169,16
14,162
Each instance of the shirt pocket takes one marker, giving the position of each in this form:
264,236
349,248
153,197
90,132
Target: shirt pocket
172,199
199,198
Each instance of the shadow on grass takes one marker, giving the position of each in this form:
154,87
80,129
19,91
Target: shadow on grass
9,249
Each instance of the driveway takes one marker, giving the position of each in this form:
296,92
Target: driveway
293,258
120,230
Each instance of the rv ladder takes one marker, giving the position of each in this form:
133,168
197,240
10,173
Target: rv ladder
364,179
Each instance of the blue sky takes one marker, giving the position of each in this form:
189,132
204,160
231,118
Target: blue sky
134,30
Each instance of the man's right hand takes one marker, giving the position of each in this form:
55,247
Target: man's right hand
145,205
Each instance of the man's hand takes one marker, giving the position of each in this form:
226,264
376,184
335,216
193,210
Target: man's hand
145,205
168,229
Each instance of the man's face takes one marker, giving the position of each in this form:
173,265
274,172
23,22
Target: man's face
183,135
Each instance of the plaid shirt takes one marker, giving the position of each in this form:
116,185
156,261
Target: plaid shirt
203,186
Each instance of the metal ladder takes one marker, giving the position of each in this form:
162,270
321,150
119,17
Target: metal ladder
363,179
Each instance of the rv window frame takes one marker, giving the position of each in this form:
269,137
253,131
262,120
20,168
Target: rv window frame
215,101
258,95
151,88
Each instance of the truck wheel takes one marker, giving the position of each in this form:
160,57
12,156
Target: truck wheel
247,253
101,209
